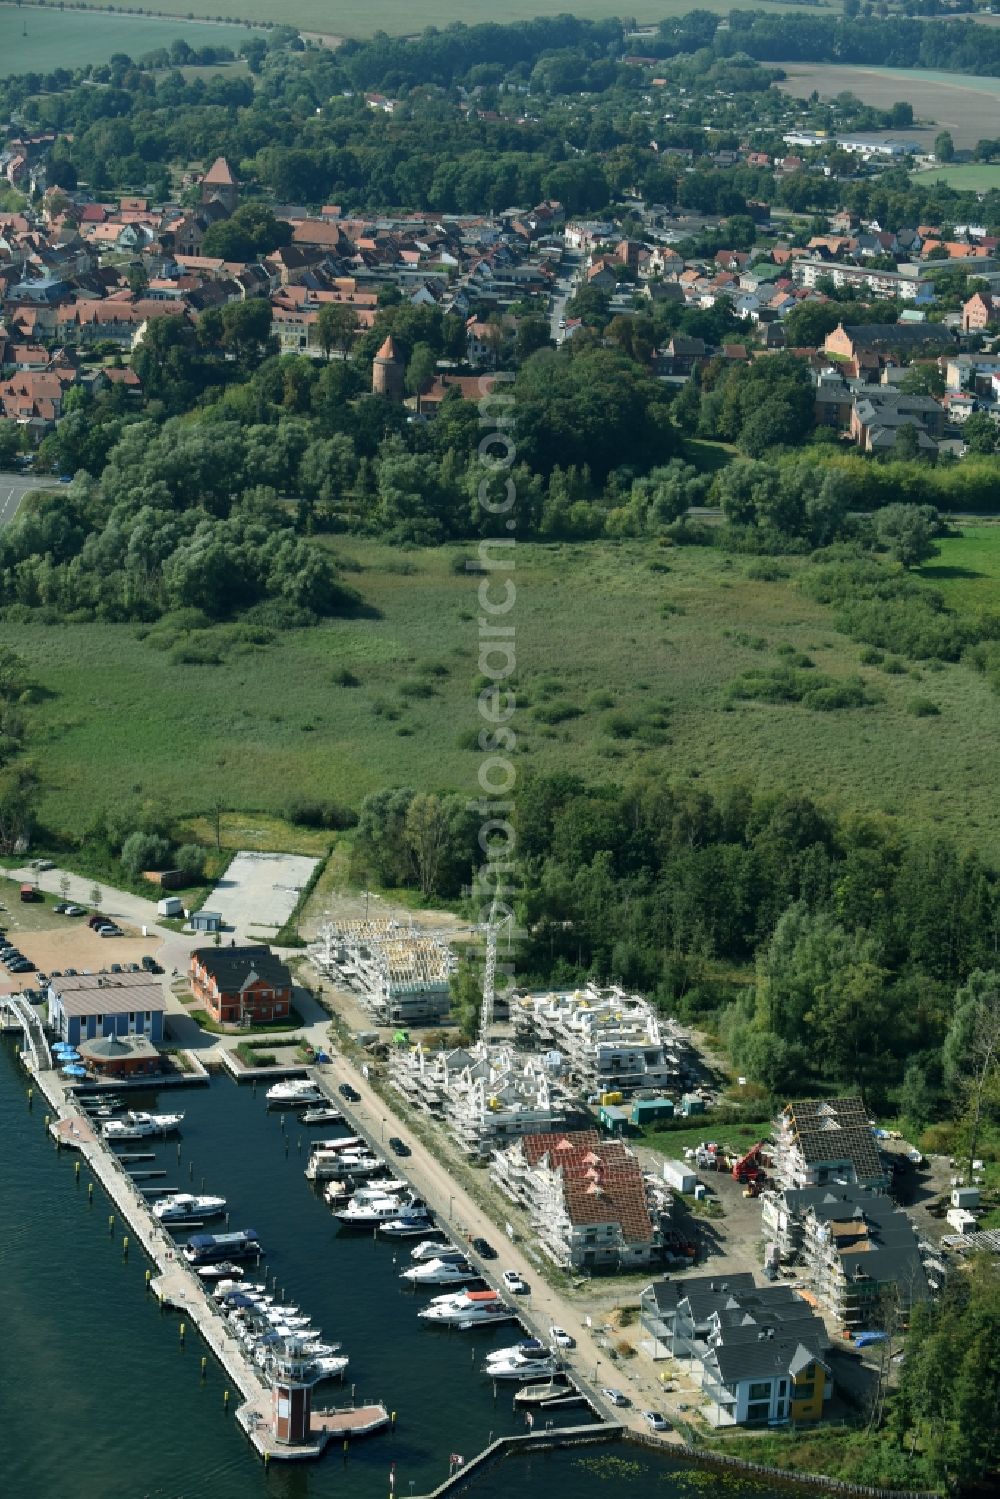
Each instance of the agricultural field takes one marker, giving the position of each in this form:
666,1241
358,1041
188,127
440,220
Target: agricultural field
333,19
69,39
977,177
626,654
957,102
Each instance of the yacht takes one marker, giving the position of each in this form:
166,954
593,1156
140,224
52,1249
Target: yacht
429,1249
466,1309
358,1163
527,1347
321,1116
294,1092
521,1367
225,1271
136,1126
414,1218
180,1205
440,1273
374,1205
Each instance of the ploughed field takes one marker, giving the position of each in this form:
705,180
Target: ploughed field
957,102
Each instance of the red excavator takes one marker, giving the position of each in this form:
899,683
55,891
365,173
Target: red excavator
748,1168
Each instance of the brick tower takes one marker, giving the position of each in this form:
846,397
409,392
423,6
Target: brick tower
387,372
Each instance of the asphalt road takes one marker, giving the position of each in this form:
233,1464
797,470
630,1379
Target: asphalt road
13,488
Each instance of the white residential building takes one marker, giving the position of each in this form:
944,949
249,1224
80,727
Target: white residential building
607,1041
400,974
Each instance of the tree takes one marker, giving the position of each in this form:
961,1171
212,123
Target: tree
905,531
142,851
980,433
64,886
532,334
421,369
971,1051
336,323
246,326
425,830
907,444
944,146
189,858
96,896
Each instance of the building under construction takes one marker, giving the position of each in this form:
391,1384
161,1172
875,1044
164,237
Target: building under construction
485,1096
606,1041
400,974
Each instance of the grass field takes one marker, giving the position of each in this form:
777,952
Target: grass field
340,18
967,569
979,177
957,102
620,667
69,39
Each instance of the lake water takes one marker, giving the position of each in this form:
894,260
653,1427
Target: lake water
101,1400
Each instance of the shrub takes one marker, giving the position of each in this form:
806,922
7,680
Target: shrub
922,707
766,570
342,677
559,711
871,657
306,812
412,687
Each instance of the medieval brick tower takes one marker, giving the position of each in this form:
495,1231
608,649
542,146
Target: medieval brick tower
387,372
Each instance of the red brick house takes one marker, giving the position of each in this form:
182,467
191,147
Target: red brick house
241,985
979,311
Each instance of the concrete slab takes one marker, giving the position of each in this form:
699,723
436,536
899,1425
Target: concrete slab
258,892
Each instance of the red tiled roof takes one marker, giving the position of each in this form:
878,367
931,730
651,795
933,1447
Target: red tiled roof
602,1180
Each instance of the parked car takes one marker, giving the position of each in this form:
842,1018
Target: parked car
615,1397
561,1337
513,1283
351,1094
71,973
97,920
150,964
132,968
485,1248
117,968
398,1146
655,1421
61,908
109,931
74,911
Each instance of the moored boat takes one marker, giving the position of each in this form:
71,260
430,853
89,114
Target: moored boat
294,1092
224,1270
465,1309
204,1249
181,1206
321,1116
137,1126
440,1273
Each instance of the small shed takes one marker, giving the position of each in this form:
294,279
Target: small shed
692,1103
646,1110
206,921
614,1118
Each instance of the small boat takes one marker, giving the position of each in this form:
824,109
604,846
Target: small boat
321,1116
465,1309
414,1218
186,1205
359,1164
205,1249
555,1391
440,1273
319,1350
137,1126
327,1366
430,1249
525,1360
223,1271
294,1092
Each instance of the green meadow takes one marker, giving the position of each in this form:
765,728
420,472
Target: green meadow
977,177
625,657
35,40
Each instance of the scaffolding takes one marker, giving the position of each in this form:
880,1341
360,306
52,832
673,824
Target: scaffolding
400,974
609,1041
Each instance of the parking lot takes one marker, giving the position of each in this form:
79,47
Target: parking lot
258,893
54,942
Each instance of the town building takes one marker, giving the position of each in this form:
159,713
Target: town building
823,1141
401,975
585,1197
759,1353
89,1006
878,414
246,985
387,371
120,1056
979,312
893,340
879,283
855,1247
602,1040
220,185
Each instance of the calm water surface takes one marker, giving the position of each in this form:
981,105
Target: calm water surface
101,1401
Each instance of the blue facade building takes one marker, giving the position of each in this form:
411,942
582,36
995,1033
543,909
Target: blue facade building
86,1006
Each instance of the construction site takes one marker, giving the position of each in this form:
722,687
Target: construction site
401,975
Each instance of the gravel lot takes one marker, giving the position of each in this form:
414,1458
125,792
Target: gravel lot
258,892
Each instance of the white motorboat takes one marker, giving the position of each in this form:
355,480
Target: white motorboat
186,1205
137,1126
413,1220
518,1367
440,1273
430,1249
359,1163
466,1309
527,1348
319,1350
372,1205
294,1092
324,1162
321,1116
222,1272
327,1366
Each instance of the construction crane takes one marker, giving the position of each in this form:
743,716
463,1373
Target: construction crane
492,928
